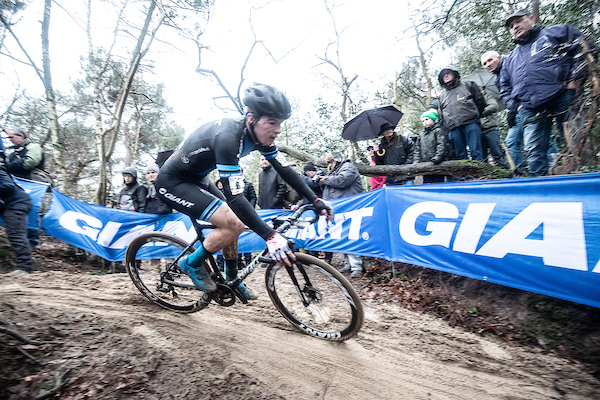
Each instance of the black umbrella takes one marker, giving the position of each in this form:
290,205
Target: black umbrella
163,156
367,124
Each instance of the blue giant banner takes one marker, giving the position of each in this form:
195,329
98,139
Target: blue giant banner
36,191
536,234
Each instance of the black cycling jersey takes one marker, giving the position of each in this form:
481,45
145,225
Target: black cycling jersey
183,180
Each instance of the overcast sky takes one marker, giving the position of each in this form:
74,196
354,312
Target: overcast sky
371,47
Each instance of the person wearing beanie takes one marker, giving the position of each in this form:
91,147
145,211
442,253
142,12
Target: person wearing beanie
431,114
393,150
431,144
154,205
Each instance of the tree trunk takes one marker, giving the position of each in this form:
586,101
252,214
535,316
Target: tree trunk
107,137
58,149
454,168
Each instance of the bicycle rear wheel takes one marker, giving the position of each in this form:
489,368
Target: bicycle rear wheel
323,304
150,262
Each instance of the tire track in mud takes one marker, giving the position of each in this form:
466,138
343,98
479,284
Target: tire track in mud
398,354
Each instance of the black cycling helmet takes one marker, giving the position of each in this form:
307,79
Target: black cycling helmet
268,101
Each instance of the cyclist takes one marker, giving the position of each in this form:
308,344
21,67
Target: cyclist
183,183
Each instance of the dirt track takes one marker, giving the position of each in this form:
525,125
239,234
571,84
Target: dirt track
122,346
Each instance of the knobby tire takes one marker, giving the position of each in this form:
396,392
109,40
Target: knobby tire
335,311
180,295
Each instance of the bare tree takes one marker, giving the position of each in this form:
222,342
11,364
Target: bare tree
45,76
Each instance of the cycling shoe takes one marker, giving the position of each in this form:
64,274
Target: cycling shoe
198,275
247,292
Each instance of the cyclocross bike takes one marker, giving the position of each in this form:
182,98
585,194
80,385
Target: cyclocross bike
311,294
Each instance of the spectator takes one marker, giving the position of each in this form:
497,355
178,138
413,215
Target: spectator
26,155
342,180
133,196
490,134
311,177
15,206
460,108
154,205
249,192
26,158
376,181
292,199
271,186
393,150
492,62
431,144
537,81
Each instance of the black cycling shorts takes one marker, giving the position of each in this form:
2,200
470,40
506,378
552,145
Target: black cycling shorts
198,200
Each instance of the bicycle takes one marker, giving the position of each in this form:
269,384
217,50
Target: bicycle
311,294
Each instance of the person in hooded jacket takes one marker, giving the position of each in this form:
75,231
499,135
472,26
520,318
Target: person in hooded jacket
133,196
460,107
154,205
393,150
15,206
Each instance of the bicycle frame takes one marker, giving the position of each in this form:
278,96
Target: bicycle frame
282,226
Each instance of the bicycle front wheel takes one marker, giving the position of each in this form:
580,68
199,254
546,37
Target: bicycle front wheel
315,298
151,265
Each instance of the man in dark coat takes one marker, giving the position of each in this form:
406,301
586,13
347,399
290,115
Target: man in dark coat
393,150
154,205
133,196
15,206
538,79
490,133
342,180
271,186
460,108
492,61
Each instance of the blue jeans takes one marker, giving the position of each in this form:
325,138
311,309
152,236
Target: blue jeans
514,142
491,142
467,135
538,128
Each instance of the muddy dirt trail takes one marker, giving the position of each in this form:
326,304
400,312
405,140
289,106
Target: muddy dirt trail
119,345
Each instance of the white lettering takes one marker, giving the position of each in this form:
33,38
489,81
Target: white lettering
124,240
472,226
178,228
563,238
81,223
440,232
108,233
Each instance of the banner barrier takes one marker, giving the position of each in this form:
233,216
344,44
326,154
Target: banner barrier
537,234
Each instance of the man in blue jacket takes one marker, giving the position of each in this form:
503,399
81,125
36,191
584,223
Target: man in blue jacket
538,79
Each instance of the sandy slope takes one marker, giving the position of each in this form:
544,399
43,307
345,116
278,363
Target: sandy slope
122,346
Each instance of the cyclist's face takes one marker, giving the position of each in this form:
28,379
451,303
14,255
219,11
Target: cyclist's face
266,129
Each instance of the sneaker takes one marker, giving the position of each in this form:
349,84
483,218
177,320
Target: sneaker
356,274
247,292
198,275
